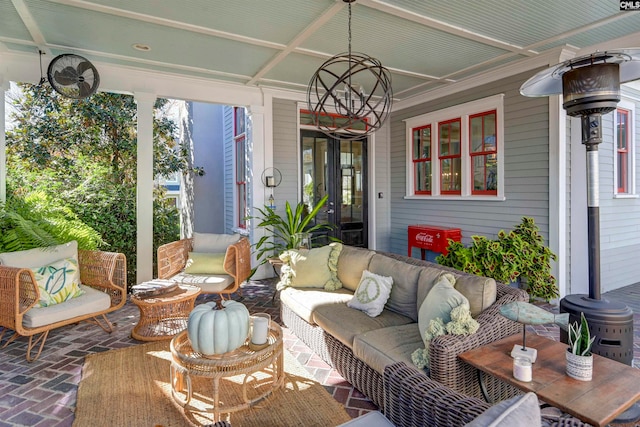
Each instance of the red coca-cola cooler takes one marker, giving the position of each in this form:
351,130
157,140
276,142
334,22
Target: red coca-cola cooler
432,238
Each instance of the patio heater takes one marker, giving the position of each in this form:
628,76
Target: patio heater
590,86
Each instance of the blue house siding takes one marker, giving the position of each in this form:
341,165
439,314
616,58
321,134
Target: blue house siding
526,136
619,217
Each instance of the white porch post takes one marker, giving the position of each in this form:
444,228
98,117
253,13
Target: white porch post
144,193
4,86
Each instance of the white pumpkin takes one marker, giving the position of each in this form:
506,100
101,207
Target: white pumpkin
216,330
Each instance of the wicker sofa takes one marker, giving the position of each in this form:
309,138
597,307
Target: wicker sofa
104,282
336,346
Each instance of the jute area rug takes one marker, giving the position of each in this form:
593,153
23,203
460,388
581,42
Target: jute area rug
131,387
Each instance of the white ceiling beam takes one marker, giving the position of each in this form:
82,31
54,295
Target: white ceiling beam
30,23
298,40
168,23
443,26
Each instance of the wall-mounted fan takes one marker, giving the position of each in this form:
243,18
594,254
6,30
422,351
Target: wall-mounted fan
73,76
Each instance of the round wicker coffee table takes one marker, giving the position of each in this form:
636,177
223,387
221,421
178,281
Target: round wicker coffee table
242,362
163,316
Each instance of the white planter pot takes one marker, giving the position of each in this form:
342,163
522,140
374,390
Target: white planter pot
579,367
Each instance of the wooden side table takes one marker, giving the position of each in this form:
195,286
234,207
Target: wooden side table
163,316
615,387
186,364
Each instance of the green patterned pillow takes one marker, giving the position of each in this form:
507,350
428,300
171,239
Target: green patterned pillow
372,293
58,282
311,268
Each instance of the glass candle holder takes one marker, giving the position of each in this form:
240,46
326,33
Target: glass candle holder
522,369
260,328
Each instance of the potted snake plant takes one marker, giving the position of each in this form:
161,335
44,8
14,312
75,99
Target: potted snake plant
579,356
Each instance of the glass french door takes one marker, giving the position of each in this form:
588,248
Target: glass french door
338,168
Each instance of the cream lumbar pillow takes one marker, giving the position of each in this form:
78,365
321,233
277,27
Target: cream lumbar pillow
311,268
372,293
205,263
58,282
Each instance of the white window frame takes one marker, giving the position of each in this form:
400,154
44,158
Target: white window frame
462,111
630,106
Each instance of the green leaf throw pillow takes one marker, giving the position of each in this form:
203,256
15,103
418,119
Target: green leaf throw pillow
58,282
205,263
311,268
372,293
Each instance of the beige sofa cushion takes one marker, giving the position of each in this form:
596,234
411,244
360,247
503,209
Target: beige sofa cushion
213,243
382,347
480,291
209,283
91,301
304,301
34,258
345,323
405,284
351,263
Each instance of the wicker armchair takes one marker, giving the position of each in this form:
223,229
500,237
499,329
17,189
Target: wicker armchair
414,399
103,271
172,259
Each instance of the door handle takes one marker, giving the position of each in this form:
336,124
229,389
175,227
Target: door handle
329,211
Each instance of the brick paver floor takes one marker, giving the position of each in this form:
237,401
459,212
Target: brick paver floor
43,393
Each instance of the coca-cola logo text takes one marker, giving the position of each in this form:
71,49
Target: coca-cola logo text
424,237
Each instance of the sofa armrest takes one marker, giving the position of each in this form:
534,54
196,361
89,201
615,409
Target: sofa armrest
172,257
237,260
446,368
18,293
105,271
412,398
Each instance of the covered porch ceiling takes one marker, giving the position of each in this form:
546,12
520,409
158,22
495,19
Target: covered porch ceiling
427,45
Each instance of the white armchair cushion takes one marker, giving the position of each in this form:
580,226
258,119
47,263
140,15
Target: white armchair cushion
40,256
213,243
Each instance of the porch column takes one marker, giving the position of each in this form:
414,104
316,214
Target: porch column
144,193
4,86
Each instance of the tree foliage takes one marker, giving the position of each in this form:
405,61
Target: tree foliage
80,156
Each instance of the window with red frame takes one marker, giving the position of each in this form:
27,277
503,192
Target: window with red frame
422,159
622,149
483,150
449,156
241,164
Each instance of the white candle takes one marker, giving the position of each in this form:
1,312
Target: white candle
522,370
260,330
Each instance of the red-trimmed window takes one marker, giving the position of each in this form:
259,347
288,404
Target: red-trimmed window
422,159
623,133
483,149
241,164
449,155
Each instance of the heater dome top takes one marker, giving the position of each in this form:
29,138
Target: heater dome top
549,82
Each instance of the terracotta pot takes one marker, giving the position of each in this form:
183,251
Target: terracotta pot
579,367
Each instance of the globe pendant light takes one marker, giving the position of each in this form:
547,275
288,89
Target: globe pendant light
356,87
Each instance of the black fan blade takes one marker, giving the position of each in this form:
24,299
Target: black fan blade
84,66
66,77
85,89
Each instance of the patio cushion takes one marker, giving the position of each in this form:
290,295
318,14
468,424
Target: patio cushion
383,347
38,257
372,293
304,301
519,411
205,263
345,323
311,268
480,291
91,301
405,280
213,243
209,283
58,281
351,263
442,298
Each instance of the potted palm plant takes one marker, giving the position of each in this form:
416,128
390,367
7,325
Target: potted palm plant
285,232
579,356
